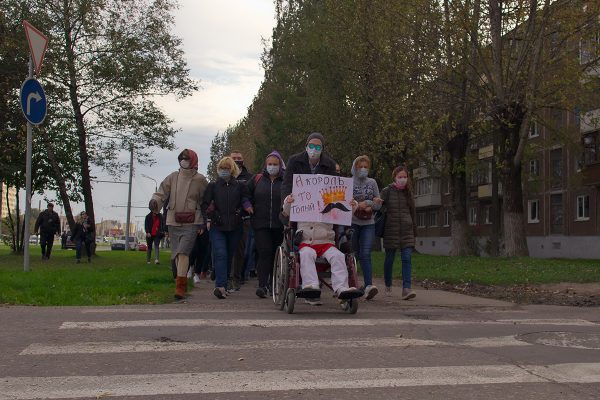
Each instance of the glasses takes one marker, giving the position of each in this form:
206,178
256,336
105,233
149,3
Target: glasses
317,147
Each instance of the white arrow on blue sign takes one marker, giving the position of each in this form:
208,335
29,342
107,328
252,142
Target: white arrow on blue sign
33,101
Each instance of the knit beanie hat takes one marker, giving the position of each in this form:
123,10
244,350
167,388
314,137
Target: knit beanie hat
316,135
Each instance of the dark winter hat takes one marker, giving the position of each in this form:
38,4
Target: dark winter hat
316,135
50,205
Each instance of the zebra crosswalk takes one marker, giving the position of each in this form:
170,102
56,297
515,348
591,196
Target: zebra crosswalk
77,357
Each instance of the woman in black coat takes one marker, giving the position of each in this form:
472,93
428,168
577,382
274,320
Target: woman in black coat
265,195
83,234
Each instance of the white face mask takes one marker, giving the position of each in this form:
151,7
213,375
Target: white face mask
185,164
402,181
363,172
273,169
223,173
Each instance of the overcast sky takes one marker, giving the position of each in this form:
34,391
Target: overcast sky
222,40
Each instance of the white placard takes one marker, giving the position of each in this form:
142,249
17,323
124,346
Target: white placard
322,198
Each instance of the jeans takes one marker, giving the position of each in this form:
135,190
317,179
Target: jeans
388,264
46,241
362,243
88,246
152,241
224,245
267,242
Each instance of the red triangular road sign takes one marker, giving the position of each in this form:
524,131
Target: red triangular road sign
37,45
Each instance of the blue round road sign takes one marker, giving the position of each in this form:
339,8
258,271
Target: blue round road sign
33,101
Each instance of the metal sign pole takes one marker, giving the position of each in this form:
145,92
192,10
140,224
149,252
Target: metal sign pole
27,186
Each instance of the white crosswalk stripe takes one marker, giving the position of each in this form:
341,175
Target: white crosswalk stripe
264,323
283,380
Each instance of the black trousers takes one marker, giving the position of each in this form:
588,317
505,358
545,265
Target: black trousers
46,242
267,241
200,255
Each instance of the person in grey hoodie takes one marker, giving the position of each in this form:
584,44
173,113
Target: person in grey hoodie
366,194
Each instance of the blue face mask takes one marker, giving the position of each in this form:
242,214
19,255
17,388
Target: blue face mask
363,172
273,169
223,173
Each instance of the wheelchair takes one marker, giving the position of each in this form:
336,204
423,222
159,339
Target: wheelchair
286,285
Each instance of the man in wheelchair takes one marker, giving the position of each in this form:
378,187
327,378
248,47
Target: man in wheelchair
318,240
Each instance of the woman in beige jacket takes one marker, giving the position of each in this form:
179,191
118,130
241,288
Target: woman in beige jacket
183,191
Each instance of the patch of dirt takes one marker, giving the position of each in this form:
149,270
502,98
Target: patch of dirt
564,294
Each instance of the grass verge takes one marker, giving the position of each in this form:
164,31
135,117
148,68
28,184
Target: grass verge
113,277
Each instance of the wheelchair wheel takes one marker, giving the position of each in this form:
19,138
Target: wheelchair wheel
350,306
290,300
280,278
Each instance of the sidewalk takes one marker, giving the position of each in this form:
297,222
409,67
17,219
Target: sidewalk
428,298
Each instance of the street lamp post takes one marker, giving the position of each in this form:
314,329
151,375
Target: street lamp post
155,183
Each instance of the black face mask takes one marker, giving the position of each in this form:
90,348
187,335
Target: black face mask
239,163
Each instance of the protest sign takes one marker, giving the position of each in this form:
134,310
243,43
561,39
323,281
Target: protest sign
322,198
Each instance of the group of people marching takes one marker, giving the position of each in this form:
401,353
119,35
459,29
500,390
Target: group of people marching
239,212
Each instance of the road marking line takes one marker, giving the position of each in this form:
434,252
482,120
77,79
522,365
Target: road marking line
157,346
286,380
175,311
278,323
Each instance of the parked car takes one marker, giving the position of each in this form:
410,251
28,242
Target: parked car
119,243
142,247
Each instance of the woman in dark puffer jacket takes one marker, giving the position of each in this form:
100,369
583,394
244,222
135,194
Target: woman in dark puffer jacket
265,195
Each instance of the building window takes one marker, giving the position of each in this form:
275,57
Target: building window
472,216
447,186
534,168
556,168
533,211
421,220
428,186
533,129
583,208
487,215
590,149
446,217
433,218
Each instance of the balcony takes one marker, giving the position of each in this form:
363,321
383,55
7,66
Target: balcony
590,174
486,152
485,191
590,121
428,200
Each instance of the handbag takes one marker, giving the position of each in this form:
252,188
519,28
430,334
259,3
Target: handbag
185,217
363,214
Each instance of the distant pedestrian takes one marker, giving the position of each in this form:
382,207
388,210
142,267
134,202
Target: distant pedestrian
48,225
184,190
154,226
400,229
265,195
83,235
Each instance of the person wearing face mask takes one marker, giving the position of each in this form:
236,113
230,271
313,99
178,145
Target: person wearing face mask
183,190
311,161
400,229
366,194
265,195
224,201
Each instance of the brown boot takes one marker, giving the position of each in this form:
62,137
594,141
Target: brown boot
180,287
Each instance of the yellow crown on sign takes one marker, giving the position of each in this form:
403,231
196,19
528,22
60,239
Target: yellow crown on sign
333,195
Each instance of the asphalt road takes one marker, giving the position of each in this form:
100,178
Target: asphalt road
439,346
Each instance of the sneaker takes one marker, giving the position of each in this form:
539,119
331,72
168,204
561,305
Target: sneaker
314,302
148,262
261,292
156,262
408,294
370,292
190,273
311,287
220,292
196,279
350,293
388,291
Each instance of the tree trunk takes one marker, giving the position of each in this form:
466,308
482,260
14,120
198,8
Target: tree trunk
79,123
515,240
457,149
60,180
